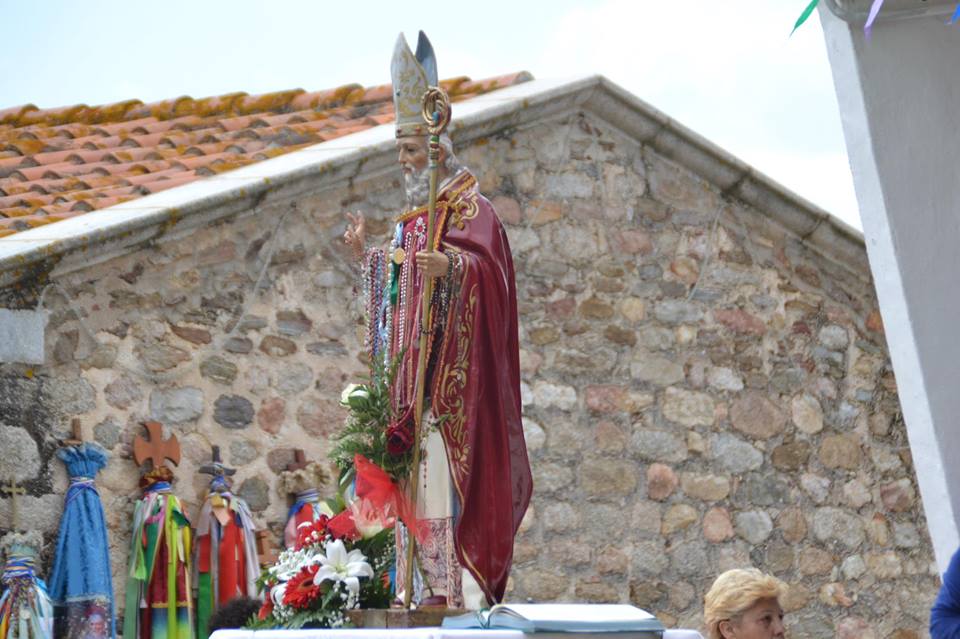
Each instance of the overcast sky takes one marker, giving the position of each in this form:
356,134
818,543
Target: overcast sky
727,69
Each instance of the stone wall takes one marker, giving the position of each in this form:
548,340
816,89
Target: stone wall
701,390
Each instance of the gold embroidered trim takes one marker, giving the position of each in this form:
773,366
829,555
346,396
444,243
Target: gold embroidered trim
450,194
453,380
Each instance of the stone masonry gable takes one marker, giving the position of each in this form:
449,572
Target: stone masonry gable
705,379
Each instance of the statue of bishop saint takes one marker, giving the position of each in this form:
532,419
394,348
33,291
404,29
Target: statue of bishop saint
475,481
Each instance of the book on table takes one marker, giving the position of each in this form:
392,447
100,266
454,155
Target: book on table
612,620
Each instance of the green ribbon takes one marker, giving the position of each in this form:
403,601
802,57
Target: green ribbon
204,605
806,14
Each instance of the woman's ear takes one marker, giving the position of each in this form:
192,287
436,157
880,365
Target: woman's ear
726,629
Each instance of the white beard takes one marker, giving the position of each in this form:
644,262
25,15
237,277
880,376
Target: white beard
416,185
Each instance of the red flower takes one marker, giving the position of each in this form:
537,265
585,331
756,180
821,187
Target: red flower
344,527
399,438
312,533
301,591
266,609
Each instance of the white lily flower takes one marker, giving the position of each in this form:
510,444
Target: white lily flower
277,594
337,565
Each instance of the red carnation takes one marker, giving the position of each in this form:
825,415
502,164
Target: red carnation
301,591
305,532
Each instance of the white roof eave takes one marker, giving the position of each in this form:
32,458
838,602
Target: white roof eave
68,245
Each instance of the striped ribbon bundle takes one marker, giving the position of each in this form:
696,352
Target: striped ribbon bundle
25,608
18,566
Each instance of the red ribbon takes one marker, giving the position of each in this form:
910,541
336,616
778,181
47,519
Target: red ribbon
375,485
343,526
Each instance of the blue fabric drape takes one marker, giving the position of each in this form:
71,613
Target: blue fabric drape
80,584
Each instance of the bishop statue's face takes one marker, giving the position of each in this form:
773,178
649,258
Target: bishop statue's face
412,154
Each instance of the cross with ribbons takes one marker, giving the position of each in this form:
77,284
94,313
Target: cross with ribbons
154,447
14,490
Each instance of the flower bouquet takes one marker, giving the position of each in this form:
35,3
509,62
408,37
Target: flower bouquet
337,564
343,559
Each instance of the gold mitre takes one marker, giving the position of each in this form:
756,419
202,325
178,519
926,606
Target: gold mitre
412,74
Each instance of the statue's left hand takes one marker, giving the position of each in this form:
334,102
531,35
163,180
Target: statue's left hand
355,236
432,263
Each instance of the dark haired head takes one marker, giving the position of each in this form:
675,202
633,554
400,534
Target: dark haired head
234,614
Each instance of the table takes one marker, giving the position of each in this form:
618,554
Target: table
369,633
407,633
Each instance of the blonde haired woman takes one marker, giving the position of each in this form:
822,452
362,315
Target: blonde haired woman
744,604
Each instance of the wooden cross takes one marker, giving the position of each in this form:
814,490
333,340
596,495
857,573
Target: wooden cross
216,466
14,491
299,460
266,553
155,447
77,435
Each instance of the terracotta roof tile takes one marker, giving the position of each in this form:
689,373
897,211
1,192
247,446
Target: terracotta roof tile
22,201
111,112
165,109
218,105
8,163
68,155
149,125
30,199
125,154
147,178
91,197
68,184
27,146
66,161
164,183
240,122
135,168
13,114
377,95
268,102
55,117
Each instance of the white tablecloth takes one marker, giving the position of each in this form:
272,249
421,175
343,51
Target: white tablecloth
403,633
369,633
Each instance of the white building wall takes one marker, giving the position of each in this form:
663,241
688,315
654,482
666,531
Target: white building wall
898,96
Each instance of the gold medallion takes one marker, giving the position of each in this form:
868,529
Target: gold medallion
399,255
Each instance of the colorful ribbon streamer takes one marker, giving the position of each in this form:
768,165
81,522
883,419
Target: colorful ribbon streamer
806,14
874,10
871,16
955,16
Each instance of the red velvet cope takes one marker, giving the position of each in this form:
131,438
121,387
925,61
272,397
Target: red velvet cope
475,384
